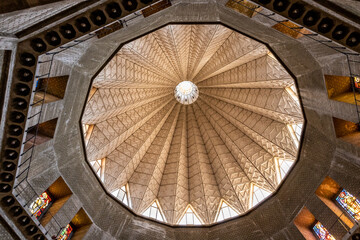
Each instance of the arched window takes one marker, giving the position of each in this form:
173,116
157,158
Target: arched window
123,195
225,212
190,217
154,211
258,195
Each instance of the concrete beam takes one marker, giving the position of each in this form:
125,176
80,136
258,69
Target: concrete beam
15,5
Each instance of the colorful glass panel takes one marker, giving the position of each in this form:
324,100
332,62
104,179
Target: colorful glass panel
66,233
349,203
39,206
322,233
356,81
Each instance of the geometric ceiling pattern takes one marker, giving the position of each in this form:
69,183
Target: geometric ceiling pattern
198,155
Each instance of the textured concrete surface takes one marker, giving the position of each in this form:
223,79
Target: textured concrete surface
321,153
19,20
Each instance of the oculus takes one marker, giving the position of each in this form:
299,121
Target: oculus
186,92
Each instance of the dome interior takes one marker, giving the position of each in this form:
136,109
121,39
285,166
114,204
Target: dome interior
210,157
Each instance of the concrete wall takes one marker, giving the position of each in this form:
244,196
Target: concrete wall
321,153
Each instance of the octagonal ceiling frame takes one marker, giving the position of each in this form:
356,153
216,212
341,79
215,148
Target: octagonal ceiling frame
170,22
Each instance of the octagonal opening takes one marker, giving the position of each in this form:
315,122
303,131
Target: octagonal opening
194,157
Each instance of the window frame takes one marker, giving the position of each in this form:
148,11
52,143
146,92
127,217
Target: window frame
158,211
219,211
194,213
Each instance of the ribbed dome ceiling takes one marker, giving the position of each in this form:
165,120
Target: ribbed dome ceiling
216,148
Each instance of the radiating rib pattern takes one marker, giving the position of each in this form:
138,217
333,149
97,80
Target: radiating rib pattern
197,154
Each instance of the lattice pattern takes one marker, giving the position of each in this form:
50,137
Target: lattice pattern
236,50
273,103
271,135
224,148
173,193
110,102
149,53
204,192
121,72
146,179
133,149
263,72
251,158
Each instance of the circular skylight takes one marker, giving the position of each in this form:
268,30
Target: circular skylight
186,92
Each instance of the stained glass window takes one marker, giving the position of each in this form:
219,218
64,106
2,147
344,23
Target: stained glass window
356,81
322,233
259,194
190,218
66,233
99,166
284,166
349,203
123,195
40,205
154,212
225,212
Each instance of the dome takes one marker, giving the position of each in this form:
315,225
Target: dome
232,141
